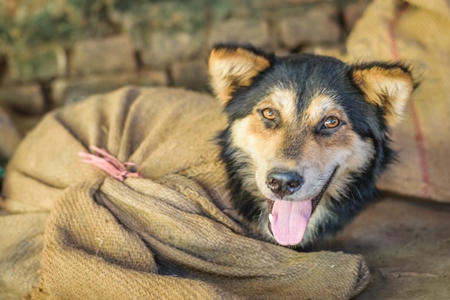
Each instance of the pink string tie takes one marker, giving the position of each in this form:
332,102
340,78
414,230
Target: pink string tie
108,163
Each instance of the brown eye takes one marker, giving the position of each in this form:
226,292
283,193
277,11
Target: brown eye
268,113
331,122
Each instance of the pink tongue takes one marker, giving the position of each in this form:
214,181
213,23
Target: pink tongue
289,221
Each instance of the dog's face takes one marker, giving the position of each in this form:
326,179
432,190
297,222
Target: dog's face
301,128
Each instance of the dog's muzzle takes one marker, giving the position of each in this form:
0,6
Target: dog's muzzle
289,219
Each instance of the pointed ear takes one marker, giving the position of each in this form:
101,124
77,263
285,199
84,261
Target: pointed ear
388,86
233,66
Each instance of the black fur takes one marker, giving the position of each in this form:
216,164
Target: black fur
308,74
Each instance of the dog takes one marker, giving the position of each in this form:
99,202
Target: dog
306,139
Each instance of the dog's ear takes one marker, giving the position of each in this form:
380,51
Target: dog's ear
388,86
232,66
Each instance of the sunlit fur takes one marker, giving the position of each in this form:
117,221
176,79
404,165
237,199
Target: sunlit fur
303,90
230,68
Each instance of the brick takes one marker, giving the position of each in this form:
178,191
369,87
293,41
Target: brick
3,68
191,75
245,9
251,31
164,48
336,50
28,24
164,26
281,52
152,78
9,137
41,63
264,8
65,91
181,16
271,4
352,12
113,54
314,26
24,123
26,99
219,10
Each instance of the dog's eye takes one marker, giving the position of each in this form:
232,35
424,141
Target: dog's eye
331,122
268,113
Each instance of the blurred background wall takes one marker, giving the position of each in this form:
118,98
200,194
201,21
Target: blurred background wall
54,52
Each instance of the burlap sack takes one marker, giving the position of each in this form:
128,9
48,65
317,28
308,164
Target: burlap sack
171,235
417,32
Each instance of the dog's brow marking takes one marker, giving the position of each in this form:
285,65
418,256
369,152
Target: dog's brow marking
319,106
286,99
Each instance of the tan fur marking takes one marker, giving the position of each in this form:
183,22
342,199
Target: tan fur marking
285,100
249,134
387,88
321,106
229,68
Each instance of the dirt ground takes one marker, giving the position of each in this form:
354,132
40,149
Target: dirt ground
407,246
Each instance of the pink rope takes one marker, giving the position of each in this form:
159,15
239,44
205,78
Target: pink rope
108,163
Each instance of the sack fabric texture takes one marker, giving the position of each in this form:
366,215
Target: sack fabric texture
74,232
416,32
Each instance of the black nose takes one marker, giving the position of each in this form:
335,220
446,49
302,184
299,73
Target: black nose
284,183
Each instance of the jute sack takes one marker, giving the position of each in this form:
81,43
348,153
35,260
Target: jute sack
169,235
417,32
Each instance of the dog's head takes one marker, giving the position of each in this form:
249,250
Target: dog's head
303,127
